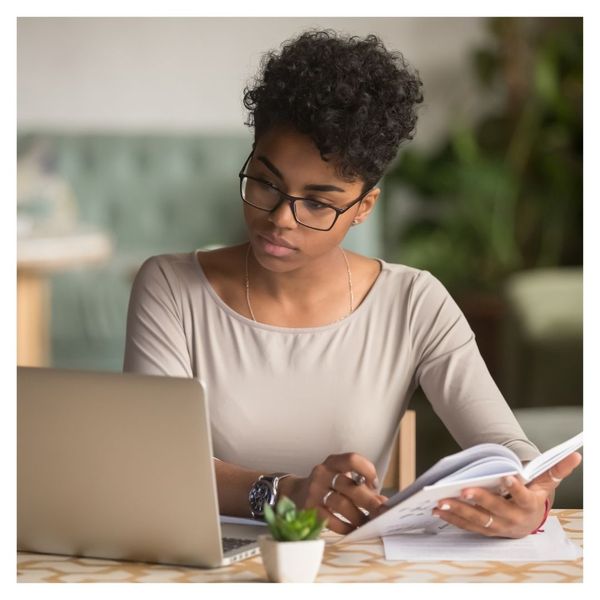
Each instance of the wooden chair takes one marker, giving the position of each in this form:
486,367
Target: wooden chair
402,468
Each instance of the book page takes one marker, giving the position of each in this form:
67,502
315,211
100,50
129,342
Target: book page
549,458
450,464
490,465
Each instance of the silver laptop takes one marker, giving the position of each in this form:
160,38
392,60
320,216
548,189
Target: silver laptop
120,466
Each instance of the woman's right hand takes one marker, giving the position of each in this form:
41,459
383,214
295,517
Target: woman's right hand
346,499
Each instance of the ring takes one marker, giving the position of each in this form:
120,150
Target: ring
332,486
489,522
324,501
358,478
555,479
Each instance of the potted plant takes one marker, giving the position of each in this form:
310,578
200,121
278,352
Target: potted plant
293,551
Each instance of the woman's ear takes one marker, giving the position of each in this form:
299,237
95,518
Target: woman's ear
366,205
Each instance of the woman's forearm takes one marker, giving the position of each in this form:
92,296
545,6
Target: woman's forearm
233,486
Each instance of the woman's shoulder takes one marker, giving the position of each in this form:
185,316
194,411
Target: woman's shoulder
220,259
412,284
165,266
398,274
177,276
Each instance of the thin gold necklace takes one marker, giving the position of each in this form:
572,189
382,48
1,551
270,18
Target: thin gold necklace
351,293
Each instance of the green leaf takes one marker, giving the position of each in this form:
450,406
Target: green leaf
285,505
272,522
269,514
314,533
303,533
276,533
288,532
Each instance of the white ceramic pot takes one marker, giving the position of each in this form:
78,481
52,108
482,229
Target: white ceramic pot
291,562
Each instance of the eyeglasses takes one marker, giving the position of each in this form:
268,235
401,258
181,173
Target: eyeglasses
265,196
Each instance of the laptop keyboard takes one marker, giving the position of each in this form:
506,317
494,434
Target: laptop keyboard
233,543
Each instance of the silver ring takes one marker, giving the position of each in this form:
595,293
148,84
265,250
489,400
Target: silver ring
358,478
489,522
324,501
332,486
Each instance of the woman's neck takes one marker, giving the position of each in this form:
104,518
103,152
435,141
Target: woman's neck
313,281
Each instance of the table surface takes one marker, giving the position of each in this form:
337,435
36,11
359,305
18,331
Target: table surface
360,562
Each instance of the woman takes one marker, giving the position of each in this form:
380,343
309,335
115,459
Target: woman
310,353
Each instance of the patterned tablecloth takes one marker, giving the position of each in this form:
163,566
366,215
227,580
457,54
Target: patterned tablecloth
360,562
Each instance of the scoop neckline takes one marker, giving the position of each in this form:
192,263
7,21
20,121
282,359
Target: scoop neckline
258,325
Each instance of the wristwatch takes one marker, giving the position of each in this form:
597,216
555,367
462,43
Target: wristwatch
264,491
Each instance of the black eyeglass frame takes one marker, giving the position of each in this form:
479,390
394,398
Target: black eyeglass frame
293,199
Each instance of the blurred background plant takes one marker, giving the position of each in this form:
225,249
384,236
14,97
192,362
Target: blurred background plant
504,194
495,211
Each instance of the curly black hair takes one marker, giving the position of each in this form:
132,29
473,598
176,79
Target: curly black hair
355,99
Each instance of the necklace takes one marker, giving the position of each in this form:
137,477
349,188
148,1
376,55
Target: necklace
351,293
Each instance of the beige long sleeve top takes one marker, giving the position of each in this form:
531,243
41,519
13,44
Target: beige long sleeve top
283,399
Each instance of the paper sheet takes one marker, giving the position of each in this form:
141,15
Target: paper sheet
457,544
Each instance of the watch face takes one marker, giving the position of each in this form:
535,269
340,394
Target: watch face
261,493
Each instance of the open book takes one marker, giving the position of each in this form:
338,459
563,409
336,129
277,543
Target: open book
480,466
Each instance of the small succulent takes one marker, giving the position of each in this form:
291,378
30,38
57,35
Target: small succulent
287,524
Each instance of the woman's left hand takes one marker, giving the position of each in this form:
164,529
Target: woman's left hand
489,514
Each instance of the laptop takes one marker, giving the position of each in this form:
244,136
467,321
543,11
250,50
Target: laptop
120,466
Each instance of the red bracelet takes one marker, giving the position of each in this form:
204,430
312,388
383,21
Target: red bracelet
546,513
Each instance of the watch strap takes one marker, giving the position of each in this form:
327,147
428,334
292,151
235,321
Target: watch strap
274,479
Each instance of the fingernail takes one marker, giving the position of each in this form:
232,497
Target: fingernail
509,481
435,515
445,507
376,482
469,496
